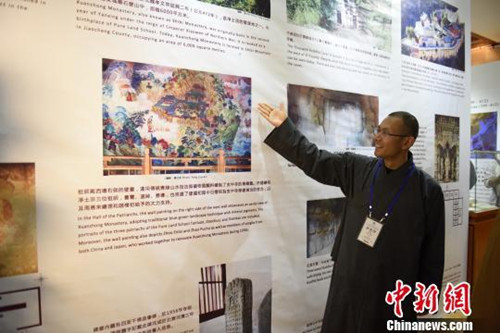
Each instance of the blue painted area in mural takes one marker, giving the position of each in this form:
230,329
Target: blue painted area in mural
484,132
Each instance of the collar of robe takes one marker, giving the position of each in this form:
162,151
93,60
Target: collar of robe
410,168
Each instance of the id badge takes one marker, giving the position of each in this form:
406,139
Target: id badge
370,232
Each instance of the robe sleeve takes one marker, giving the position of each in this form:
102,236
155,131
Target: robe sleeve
337,169
432,250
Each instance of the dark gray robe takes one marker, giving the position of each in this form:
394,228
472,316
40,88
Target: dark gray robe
410,246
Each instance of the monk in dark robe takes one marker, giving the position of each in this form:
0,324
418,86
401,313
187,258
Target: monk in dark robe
393,224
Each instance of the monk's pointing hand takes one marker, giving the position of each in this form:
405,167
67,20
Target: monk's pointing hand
276,116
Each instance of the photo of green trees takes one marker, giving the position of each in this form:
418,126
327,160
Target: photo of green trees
258,7
366,22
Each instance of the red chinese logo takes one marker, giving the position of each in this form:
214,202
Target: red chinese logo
457,298
397,296
426,298
454,298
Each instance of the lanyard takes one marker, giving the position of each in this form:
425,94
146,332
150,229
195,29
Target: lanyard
396,197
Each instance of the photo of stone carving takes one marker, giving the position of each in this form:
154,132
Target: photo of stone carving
431,30
332,118
367,22
447,141
323,221
163,120
483,133
257,7
18,233
236,297
239,306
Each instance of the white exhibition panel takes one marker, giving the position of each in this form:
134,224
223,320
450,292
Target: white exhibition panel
91,89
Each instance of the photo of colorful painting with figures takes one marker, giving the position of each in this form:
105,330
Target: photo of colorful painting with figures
236,297
18,236
483,133
367,22
431,30
323,222
163,120
332,118
258,7
447,140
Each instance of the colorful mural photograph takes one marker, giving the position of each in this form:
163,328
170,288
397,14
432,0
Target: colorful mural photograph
431,30
257,7
447,148
483,133
367,22
323,221
18,233
332,118
161,120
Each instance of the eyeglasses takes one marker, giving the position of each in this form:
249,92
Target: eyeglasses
384,133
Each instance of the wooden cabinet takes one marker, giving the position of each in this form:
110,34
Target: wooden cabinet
480,226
